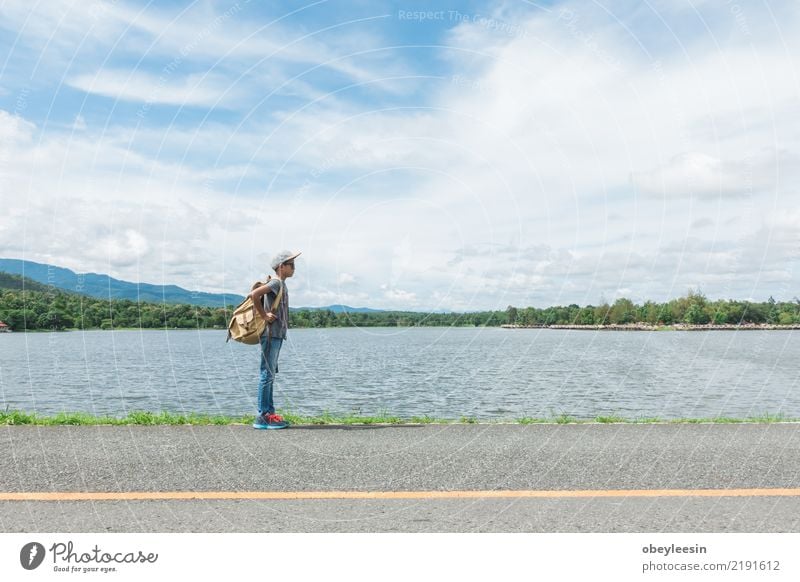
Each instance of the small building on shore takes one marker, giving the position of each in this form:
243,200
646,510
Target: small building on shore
4,327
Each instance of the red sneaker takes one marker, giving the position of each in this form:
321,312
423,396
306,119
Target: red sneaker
269,421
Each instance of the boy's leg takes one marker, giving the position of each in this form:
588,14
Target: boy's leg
269,362
272,360
265,377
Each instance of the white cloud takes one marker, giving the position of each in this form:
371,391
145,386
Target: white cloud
232,38
79,124
571,158
398,298
14,130
121,250
698,174
346,279
702,223
209,90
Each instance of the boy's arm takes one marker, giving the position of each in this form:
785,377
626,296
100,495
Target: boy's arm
256,295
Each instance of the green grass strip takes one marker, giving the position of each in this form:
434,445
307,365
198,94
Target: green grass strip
143,418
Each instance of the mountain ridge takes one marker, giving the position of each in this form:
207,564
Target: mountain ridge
102,286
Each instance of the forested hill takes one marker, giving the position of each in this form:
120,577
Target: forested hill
9,281
106,287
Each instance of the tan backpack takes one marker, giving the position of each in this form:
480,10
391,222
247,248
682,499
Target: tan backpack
246,324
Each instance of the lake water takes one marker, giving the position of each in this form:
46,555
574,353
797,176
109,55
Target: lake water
488,373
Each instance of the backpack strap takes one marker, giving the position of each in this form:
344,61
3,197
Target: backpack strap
277,297
274,306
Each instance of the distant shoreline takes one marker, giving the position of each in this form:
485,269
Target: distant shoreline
674,327
625,327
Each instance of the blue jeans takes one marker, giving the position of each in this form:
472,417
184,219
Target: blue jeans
270,348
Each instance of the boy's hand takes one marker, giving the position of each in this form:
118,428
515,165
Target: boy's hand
270,317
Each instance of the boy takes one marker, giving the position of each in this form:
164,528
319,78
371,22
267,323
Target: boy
273,336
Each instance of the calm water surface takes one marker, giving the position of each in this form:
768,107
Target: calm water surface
441,372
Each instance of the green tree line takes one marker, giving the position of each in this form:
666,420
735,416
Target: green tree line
47,308
53,309
694,309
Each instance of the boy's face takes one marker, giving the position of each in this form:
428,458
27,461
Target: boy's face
286,270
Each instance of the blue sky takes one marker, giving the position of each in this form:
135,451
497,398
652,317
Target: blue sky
457,155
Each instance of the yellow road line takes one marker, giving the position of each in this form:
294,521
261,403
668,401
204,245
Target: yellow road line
295,495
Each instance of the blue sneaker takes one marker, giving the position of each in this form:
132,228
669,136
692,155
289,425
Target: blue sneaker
269,421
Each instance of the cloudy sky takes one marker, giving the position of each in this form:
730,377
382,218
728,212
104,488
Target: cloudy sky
478,155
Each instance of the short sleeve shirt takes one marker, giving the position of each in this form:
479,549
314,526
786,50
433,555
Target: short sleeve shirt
280,326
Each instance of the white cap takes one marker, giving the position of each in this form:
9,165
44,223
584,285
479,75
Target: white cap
282,257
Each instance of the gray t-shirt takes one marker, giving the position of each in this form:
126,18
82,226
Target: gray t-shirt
280,326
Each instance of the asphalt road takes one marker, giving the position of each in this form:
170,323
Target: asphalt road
439,458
